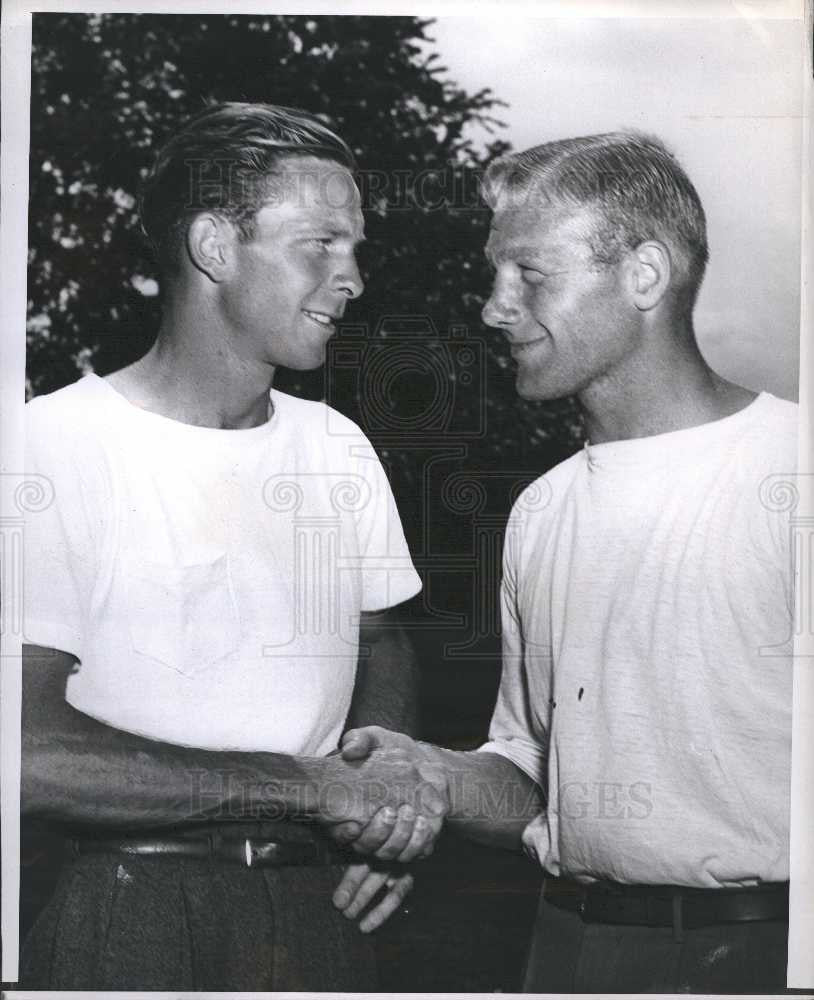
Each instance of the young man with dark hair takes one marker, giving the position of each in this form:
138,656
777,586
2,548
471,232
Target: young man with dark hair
647,600
216,556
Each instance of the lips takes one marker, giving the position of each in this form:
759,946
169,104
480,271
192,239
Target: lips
522,346
323,319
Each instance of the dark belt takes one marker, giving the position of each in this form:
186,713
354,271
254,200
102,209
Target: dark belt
248,852
675,906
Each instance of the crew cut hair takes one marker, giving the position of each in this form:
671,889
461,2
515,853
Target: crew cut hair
224,160
635,187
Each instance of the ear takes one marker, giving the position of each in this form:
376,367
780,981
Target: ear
209,242
650,274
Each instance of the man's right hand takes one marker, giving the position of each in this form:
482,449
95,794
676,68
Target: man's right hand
409,831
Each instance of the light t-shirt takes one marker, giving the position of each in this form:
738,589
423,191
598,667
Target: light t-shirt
208,581
647,684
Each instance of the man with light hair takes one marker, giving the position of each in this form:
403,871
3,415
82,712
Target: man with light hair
646,600
209,602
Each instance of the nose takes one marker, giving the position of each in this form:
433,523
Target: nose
348,279
500,309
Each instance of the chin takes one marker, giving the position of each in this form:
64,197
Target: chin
545,386
307,364
304,366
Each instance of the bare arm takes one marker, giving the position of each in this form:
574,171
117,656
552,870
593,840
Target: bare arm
78,770
386,689
491,799
385,693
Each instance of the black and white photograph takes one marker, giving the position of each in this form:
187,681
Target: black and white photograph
407,523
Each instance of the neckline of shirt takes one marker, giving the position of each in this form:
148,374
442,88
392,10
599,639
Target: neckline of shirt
244,433
662,449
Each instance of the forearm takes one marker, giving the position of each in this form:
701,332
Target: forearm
78,770
102,776
491,799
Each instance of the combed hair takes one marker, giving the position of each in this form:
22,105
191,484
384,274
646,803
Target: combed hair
633,183
224,159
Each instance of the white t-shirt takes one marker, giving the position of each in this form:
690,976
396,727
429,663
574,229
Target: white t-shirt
647,683
209,581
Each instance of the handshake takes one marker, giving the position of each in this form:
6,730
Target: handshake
386,797
389,797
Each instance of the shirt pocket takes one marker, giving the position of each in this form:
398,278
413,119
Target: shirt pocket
182,616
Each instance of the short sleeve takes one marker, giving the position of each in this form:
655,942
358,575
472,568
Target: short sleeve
514,732
388,574
62,532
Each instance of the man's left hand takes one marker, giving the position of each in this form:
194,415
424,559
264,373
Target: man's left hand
359,886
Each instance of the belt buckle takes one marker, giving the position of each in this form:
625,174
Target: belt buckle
276,853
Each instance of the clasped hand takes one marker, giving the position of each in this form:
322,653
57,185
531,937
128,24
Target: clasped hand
394,800
401,829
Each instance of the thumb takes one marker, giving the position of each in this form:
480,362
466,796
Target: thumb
358,744
344,833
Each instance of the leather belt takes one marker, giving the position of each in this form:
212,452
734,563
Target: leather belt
679,907
245,851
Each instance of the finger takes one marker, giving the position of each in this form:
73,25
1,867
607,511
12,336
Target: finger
426,851
345,892
344,833
365,893
357,744
386,908
431,801
401,835
377,831
421,842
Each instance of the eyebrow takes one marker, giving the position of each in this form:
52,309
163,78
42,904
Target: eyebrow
512,252
332,231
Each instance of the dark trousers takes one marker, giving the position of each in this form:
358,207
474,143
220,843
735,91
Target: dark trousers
140,923
569,956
